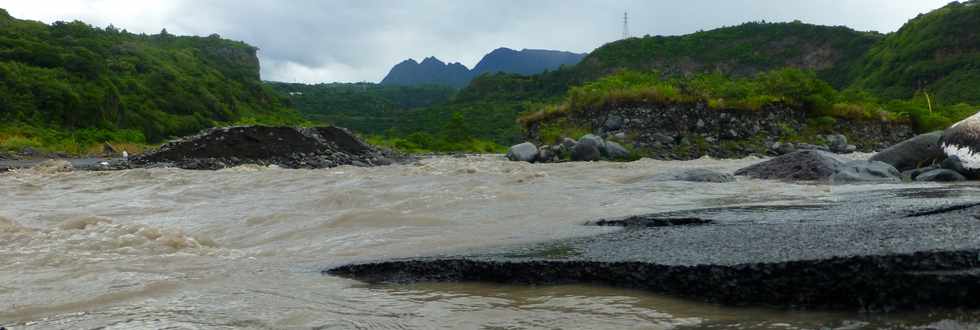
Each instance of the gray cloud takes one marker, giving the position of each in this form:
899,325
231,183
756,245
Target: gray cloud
344,40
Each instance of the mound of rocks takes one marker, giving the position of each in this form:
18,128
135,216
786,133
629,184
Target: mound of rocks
287,147
804,165
588,148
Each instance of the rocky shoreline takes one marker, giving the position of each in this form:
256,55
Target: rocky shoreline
690,131
223,147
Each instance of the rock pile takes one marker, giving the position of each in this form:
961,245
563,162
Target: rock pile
932,157
588,148
287,147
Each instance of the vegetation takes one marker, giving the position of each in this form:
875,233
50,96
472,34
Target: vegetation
938,53
68,86
364,107
742,50
794,88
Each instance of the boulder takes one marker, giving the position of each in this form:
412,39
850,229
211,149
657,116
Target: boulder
547,154
568,144
598,142
837,143
524,152
913,153
864,171
662,138
940,175
953,163
962,140
287,147
616,151
614,123
585,151
804,165
911,175
782,148
807,146
694,175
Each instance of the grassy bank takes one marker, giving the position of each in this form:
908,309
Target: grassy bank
795,88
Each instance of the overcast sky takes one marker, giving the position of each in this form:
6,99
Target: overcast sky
359,40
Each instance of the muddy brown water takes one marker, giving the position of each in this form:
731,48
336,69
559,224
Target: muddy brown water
243,248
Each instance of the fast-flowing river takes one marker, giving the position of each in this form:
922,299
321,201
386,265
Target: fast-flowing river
244,247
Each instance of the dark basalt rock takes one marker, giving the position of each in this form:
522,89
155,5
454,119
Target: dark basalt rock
916,152
873,250
287,147
940,175
804,165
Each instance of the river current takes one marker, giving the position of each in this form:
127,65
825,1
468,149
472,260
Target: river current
243,248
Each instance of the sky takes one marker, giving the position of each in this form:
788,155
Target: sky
316,41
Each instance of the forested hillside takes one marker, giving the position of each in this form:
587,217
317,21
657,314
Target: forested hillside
364,107
938,53
68,85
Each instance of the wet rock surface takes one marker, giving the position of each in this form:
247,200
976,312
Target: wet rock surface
287,147
916,152
804,165
693,175
865,171
880,250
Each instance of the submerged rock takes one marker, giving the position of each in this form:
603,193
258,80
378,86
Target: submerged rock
804,165
694,175
940,175
287,147
913,153
524,152
864,171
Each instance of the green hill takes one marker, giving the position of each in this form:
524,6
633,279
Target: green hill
938,52
364,107
742,50
66,86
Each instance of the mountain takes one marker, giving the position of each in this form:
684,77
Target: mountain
431,71
525,62
938,52
92,84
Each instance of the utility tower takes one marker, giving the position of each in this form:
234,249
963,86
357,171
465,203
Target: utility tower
626,25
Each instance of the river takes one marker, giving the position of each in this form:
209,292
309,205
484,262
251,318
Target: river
243,248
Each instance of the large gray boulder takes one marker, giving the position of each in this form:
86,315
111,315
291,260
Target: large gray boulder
585,152
594,140
694,175
962,140
804,165
837,143
866,171
524,152
940,175
616,151
913,153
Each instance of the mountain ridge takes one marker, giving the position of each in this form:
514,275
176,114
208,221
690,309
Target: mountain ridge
432,71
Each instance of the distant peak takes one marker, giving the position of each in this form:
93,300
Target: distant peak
432,59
